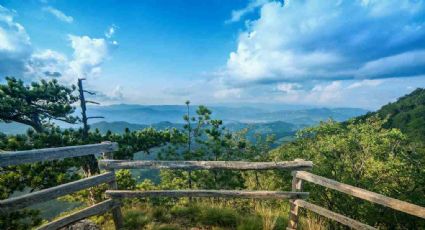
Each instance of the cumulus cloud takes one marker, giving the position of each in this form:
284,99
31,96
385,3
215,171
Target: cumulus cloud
89,54
19,58
298,41
15,45
252,5
58,14
47,63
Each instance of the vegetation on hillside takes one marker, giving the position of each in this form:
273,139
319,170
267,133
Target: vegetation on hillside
406,114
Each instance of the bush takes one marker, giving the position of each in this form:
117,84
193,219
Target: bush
251,223
190,213
160,214
134,219
224,217
281,223
167,227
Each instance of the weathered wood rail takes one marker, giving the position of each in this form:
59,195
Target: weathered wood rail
206,165
299,176
28,199
94,210
120,194
49,154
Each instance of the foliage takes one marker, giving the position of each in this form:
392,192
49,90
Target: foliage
406,114
134,220
364,155
37,104
48,174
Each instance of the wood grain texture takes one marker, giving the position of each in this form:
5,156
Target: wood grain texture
48,154
333,216
54,192
120,194
96,209
116,211
399,205
297,185
197,165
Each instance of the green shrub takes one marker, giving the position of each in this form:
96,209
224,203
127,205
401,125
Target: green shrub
160,214
135,219
190,213
166,227
281,223
250,223
224,217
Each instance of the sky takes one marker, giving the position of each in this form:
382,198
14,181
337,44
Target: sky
357,53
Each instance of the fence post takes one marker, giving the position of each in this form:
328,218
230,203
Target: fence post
297,185
116,211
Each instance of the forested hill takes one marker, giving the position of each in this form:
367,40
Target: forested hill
406,114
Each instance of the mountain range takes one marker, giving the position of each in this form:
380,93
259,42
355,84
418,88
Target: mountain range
121,116
150,114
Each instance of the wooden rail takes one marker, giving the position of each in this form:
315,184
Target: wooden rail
37,155
96,209
15,203
208,165
120,194
333,216
399,205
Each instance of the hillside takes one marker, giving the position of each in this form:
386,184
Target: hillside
406,114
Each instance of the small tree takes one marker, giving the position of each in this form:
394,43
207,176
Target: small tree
37,104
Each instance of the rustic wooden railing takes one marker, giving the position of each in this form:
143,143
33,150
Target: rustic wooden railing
207,165
299,176
37,155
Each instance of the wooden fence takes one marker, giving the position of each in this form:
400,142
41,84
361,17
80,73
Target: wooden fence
299,176
296,196
207,165
38,155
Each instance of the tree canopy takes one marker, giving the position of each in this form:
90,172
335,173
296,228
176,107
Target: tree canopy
36,104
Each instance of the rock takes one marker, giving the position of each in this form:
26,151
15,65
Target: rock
82,225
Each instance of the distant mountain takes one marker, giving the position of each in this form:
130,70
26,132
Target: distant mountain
162,116
151,114
406,114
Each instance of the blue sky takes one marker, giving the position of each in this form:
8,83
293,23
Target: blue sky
361,53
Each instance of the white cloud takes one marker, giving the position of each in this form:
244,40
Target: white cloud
111,31
227,93
288,87
365,83
89,54
252,5
47,63
58,14
300,41
17,57
117,93
15,45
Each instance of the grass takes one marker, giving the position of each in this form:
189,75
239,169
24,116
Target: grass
202,215
212,214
